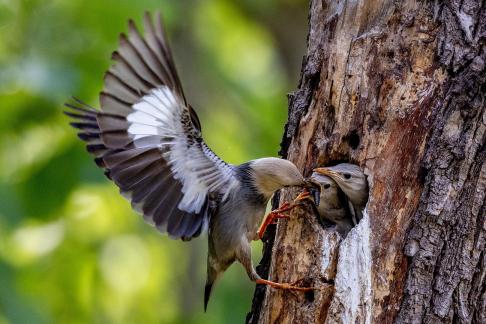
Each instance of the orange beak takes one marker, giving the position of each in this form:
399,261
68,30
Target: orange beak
325,171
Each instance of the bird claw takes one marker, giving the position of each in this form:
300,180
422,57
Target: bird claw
285,207
285,286
304,195
279,216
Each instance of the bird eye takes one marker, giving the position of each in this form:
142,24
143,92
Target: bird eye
347,176
326,186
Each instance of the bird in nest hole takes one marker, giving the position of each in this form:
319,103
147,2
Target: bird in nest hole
343,194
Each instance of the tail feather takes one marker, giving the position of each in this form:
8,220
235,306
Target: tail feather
212,276
207,294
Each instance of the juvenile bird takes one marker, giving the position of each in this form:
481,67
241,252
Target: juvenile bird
352,181
148,139
332,204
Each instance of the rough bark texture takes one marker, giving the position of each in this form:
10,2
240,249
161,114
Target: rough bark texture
397,87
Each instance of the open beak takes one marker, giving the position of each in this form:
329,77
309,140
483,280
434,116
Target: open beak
314,190
316,195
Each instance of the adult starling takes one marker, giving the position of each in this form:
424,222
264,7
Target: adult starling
352,181
148,139
332,204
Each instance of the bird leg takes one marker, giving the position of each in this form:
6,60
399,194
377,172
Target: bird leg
243,255
274,214
285,286
278,213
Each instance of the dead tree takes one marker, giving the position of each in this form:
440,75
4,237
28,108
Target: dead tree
399,88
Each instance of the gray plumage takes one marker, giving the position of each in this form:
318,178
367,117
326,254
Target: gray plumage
352,181
148,139
235,224
332,203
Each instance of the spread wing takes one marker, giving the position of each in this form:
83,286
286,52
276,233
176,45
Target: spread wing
148,139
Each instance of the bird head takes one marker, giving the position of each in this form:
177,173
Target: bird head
327,186
350,179
271,174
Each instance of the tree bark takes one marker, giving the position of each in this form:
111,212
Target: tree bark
399,88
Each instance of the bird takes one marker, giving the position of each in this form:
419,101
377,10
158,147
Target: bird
332,204
352,181
148,139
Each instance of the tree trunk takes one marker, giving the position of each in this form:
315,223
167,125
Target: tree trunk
397,87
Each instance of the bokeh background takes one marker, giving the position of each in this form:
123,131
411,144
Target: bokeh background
71,250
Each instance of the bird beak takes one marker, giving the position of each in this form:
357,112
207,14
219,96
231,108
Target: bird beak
316,195
325,171
314,189
308,183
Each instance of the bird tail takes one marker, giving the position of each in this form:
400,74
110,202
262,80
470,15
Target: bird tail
210,279
207,294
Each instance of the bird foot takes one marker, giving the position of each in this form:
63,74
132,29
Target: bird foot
285,207
285,286
303,196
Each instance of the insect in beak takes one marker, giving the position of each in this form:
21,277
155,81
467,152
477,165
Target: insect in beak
314,190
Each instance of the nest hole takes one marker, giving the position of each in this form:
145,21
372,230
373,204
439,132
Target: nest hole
353,139
352,212
309,296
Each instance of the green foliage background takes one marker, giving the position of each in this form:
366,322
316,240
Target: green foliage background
71,249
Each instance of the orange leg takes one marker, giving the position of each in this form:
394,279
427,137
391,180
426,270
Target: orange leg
277,213
304,195
272,216
282,285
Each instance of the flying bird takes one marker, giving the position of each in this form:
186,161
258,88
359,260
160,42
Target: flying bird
352,181
148,140
332,203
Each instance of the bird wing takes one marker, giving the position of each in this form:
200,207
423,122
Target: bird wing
148,139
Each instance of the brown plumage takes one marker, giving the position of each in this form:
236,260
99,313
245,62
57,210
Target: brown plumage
333,204
352,181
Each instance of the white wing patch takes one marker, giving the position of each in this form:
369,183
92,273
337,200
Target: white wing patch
161,120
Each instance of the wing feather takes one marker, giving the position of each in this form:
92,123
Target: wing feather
118,89
114,105
148,138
